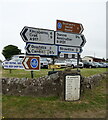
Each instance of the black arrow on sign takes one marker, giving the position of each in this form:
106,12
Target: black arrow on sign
27,48
23,32
84,40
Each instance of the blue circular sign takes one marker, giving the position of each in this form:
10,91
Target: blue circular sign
34,63
59,25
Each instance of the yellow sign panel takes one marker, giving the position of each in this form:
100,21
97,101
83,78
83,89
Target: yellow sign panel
54,66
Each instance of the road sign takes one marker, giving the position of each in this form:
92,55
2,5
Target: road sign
37,35
66,26
68,49
12,65
41,49
69,39
31,63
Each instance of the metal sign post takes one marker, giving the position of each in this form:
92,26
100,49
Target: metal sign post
32,76
77,61
53,62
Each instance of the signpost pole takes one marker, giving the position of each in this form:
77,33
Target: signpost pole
10,71
53,62
32,76
77,61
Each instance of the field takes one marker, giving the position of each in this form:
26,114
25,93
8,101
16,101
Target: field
27,74
92,103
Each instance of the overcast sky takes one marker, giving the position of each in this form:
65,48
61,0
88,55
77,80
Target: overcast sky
15,14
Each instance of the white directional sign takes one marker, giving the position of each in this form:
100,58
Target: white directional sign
37,35
69,49
40,49
12,65
69,39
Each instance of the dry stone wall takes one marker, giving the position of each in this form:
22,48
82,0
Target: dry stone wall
92,81
52,85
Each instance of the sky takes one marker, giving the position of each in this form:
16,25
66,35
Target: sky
15,14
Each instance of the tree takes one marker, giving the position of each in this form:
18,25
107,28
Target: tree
9,51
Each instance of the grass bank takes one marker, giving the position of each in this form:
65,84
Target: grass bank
43,72
92,104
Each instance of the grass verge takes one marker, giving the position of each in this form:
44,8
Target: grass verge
43,72
92,104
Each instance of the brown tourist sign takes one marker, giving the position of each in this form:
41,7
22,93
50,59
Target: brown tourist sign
66,26
31,63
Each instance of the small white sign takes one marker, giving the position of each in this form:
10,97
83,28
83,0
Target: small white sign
69,39
12,65
72,87
40,49
37,35
69,49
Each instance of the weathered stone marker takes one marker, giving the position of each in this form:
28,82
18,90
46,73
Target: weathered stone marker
72,87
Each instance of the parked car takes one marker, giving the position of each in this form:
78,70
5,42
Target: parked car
44,62
104,65
18,58
89,65
62,63
98,65
73,63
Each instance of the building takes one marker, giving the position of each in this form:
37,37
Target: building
92,59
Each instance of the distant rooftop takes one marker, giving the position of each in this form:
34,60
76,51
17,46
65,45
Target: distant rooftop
94,57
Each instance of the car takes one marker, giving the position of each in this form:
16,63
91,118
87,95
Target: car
18,58
98,65
89,65
73,63
104,65
62,63
44,62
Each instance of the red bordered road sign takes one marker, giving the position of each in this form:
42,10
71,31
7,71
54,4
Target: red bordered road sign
31,63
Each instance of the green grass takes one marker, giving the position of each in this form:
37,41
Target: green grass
52,107
88,72
91,101
43,72
23,73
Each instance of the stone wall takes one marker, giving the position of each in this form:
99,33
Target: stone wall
92,81
52,85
